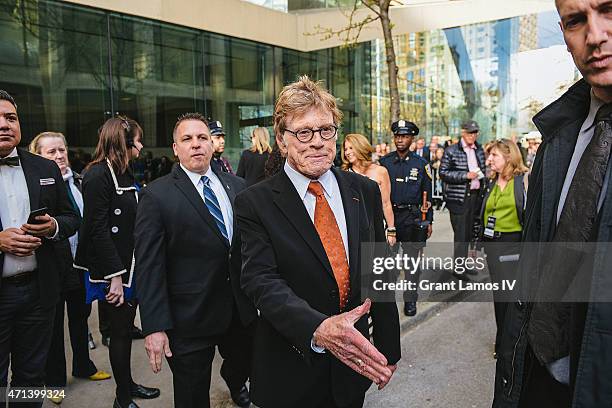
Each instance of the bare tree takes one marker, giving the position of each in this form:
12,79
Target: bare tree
378,10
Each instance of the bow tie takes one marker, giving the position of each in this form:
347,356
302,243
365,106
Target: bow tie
12,161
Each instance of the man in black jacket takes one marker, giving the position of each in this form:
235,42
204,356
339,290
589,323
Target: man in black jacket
30,263
559,354
462,169
186,245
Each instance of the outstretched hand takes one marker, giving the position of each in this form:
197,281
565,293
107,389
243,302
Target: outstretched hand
337,334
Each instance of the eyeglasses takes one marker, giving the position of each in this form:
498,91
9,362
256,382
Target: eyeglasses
306,135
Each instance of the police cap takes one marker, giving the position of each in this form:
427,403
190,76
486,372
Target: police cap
216,129
403,127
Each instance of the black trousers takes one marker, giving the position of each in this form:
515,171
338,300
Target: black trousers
191,370
103,323
506,244
82,366
236,348
463,223
191,363
25,336
405,221
121,320
540,389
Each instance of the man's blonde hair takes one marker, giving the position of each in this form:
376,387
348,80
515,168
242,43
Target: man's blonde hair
300,96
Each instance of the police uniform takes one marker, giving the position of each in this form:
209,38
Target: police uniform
218,162
410,177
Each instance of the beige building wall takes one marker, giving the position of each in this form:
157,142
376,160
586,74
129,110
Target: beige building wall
241,19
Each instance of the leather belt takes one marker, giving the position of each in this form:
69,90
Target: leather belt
405,207
20,279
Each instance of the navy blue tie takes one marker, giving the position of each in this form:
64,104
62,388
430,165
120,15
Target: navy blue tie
210,199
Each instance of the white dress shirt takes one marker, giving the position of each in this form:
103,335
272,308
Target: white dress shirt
14,212
332,195
334,199
217,187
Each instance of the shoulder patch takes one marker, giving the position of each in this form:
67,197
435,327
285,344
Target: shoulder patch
428,171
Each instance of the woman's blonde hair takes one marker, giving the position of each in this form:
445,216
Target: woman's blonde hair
512,154
362,148
34,146
261,140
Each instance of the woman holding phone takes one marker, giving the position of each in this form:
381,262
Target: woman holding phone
106,245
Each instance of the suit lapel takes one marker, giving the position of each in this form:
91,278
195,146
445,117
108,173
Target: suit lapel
292,206
184,184
350,203
32,177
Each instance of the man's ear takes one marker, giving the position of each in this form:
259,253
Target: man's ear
280,141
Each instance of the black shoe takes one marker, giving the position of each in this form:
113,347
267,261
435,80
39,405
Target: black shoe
90,341
105,340
461,276
137,333
140,391
241,397
410,308
132,404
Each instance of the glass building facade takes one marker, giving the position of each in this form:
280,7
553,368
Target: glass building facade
71,67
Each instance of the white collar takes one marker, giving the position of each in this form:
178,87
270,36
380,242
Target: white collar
196,177
13,153
68,174
596,103
301,182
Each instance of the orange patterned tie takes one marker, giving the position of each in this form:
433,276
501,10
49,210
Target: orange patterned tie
329,233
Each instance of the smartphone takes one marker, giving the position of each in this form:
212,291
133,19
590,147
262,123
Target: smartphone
32,217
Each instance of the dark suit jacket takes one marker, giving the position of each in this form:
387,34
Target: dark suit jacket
55,197
426,154
251,166
183,261
287,275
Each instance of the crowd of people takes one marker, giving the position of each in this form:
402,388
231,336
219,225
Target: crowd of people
265,265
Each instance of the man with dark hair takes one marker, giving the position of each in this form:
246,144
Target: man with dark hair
29,266
218,162
187,269
556,354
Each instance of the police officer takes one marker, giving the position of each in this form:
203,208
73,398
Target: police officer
217,162
410,177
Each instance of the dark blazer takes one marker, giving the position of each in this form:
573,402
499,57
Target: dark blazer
183,262
251,166
287,275
54,197
425,155
70,278
106,237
